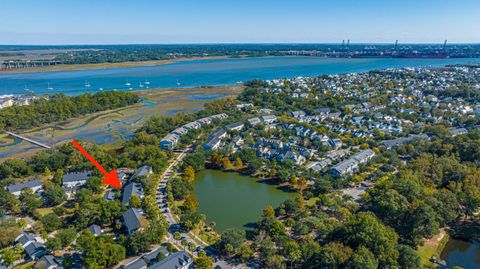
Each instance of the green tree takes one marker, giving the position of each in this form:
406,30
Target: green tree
292,252
54,195
191,202
51,222
362,258
234,237
11,254
408,257
29,201
203,261
364,229
53,244
135,202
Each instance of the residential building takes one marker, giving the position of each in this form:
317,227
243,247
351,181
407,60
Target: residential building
71,182
136,264
143,171
95,229
458,131
214,140
132,220
131,189
269,118
33,249
254,121
177,260
237,126
48,262
35,185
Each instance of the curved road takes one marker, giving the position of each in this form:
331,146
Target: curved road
162,202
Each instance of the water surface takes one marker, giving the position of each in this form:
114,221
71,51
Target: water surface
200,73
232,200
461,253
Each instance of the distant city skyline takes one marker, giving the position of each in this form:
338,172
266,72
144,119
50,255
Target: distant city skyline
51,22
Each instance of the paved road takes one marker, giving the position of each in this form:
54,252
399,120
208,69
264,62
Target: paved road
162,202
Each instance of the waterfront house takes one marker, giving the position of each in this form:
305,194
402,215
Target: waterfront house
132,189
215,140
177,260
132,220
16,189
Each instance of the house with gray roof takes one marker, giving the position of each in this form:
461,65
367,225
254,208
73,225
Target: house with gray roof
214,140
177,260
458,131
48,262
71,182
350,165
95,229
35,250
152,257
143,171
269,118
24,238
132,219
132,189
237,126
136,264
16,189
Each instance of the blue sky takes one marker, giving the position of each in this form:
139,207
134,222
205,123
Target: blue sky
242,21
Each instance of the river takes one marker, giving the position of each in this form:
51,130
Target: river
200,72
234,201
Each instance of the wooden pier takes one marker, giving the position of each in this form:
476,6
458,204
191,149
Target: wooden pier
29,140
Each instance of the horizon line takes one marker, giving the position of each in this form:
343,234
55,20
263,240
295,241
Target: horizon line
242,43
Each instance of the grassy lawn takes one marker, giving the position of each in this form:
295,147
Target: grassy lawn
312,201
45,211
432,247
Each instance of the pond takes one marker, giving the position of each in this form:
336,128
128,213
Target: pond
232,200
461,253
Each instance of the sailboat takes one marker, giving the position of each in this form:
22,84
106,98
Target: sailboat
128,83
178,83
27,89
140,85
146,82
48,87
87,84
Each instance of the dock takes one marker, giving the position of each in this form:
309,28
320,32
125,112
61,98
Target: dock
29,140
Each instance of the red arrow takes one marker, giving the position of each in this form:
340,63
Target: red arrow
110,178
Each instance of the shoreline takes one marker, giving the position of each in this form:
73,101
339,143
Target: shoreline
100,66
166,102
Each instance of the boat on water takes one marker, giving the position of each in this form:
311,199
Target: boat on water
27,89
146,82
48,87
178,83
87,84
140,85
